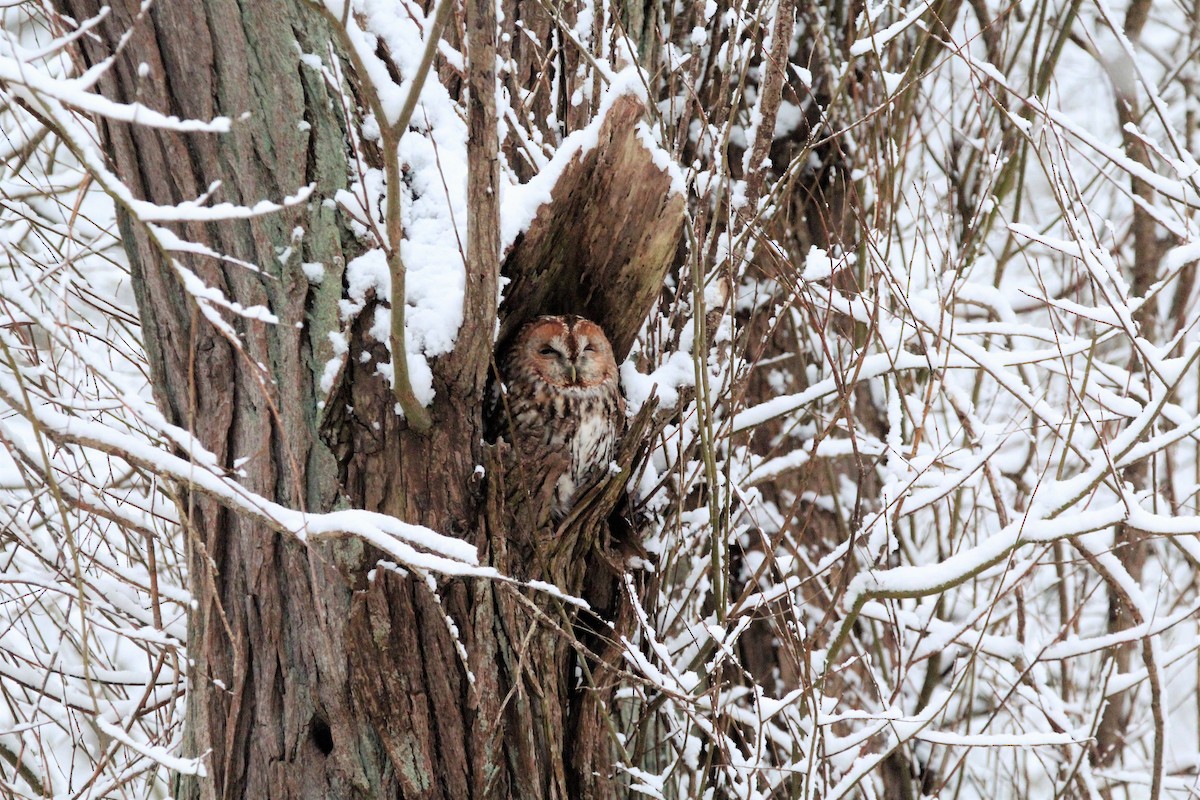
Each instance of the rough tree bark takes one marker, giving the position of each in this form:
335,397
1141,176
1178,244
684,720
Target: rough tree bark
268,684
316,675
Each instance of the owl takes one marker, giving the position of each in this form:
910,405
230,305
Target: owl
563,410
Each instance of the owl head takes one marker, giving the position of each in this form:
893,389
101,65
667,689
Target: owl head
566,351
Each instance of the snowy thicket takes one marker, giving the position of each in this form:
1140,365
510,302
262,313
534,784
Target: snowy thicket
923,504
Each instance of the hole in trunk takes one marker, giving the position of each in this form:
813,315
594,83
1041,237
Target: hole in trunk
322,737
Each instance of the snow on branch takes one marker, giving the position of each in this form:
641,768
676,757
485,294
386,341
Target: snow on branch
413,546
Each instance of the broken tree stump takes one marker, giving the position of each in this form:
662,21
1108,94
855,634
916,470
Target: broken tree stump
602,246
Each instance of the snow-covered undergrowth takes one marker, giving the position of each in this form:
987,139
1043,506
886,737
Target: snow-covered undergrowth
931,523
92,604
924,510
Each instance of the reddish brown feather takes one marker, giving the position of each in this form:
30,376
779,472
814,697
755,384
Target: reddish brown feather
551,415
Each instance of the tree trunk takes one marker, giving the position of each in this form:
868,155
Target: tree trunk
314,672
268,694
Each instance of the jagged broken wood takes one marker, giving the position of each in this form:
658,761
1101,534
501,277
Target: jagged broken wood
602,246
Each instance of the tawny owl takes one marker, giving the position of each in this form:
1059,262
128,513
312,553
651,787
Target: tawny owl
563,403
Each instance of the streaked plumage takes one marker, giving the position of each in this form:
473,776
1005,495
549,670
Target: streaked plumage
563,402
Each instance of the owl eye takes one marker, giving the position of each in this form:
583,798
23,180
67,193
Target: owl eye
589,349
547,351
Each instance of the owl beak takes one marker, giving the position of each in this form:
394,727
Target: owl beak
574,374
